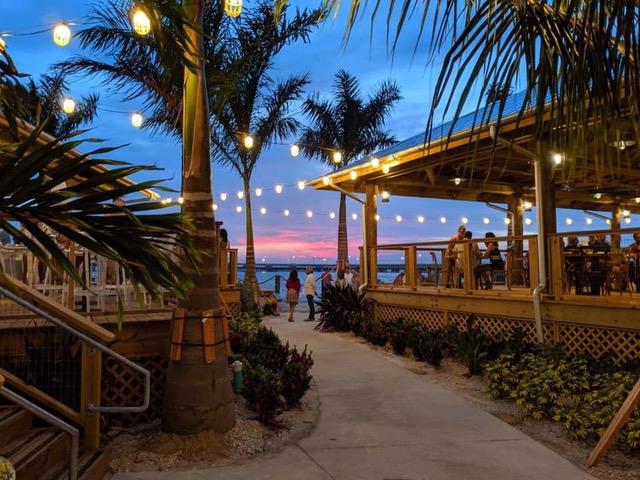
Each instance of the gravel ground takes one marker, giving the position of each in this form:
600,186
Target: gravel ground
150,449
452,376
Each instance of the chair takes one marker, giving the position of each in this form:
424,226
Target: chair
515,267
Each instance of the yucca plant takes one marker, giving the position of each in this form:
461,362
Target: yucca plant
343,309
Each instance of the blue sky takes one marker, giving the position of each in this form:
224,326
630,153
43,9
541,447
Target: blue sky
278,238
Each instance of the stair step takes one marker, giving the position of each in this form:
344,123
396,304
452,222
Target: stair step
41,451
14,424
91,466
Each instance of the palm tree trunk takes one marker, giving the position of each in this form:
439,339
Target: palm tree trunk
343,240
198,394
250,257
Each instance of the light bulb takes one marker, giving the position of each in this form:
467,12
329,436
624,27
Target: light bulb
608,221
136,120
420,219
625,213
465,220
248,141
263,211
301,185
627,219
214,206
309,213
62,35
637,199
223,196
557,158
332,215
240,194
375,163
238,209
233,8
278,188
527,221
385,195
385,169
326,180
354,216
377,217
485,220
507,220
337,157
569,221
527,205
398,218
588,220
258,192
457,181
68,106
286,213
141,22
180,200
295,150
353,175
443,219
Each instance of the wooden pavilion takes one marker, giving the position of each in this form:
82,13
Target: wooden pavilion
475,161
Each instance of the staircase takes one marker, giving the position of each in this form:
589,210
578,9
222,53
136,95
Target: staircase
40,452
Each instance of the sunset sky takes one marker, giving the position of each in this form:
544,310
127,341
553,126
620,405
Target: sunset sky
279,238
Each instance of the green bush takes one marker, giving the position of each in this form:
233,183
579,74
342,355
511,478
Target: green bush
296,376
427,347
472,349
399,334
269,309
376,334
343,309
262,388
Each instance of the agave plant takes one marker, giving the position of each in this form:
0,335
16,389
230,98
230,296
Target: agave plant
343,309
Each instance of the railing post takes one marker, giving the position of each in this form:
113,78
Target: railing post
234,266
557,266
373,266
224,268
410,260
534,275
467,257
90,386
71,297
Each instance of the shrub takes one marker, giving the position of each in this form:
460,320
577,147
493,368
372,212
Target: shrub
269,309
248,299
296,376
427,347
242,331
472,349
343,309
266,349
377,334
398,332
450,334
262,388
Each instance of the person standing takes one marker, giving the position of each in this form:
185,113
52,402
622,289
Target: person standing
310,292
293,292
348,276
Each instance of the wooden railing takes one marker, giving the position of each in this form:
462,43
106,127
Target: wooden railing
228,267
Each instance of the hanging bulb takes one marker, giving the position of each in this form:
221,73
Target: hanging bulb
278,188
377,217
301,185
485,220
354,216
398,218
337,157
136,120
569,221
239,209
557,158
507,220
527,221
286,213
386,169
309,213
62,35
626,213
141,22
627,220
385,196
527,205
214,206
223,196
375,163
326,180
248,141
443,219
353,175
263,211
332,215
608,221
420,219
295,150
180,200
465,220
240,194
233,8
588,220
637,199
68,106
258,192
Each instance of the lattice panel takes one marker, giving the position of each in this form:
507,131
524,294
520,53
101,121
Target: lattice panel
122,386
431,319
234,309
622,345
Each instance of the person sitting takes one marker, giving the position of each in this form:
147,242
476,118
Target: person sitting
400,279
496,262
600,250
634,268
449,264
574,264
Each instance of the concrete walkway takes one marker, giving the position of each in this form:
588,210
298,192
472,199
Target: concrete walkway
379,421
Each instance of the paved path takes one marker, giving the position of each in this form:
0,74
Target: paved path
379,421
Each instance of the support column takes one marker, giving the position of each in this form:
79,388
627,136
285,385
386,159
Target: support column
371,231
616,217
546,204
516,229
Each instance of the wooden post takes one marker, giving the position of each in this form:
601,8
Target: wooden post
373,265
371,227
616,217
468,263
616,425
517,230
90,386
410,261
534,276
556,273
547,196
234,266
71,294
224,268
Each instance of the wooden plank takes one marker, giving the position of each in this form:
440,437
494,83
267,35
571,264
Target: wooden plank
373,266
534,275
224,268
468,262
177,333
41,397
208,336
613,430
410,261
57,310
90,388
556,274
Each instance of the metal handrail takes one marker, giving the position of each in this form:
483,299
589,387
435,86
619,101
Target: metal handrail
97,345
52,420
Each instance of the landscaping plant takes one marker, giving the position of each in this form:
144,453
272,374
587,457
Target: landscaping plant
296,376
399,334
343,309
427,347
262,387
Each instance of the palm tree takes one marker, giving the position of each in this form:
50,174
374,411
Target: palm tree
258,104
579,57
350,125
42,100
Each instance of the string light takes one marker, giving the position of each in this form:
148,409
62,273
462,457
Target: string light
278,188
214,206
375,163
258,192
263,211
456,181
353,175
240,194
62,35
557,158
136,120
286,213
386,169
337,157
295,150
377,217
486,220
569,221
354,216
239,209
420,219
180,200
248,141
465,220
527,205
626,213
507,220
597,196
627,220
68,106
443,219
309,213
223,196
141,22
233,8
527,221
608,221
398,218
326,180
332,215
385,196
588,220
301,185
637,199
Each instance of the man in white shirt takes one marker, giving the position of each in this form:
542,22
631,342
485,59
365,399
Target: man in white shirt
310,292
348,276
